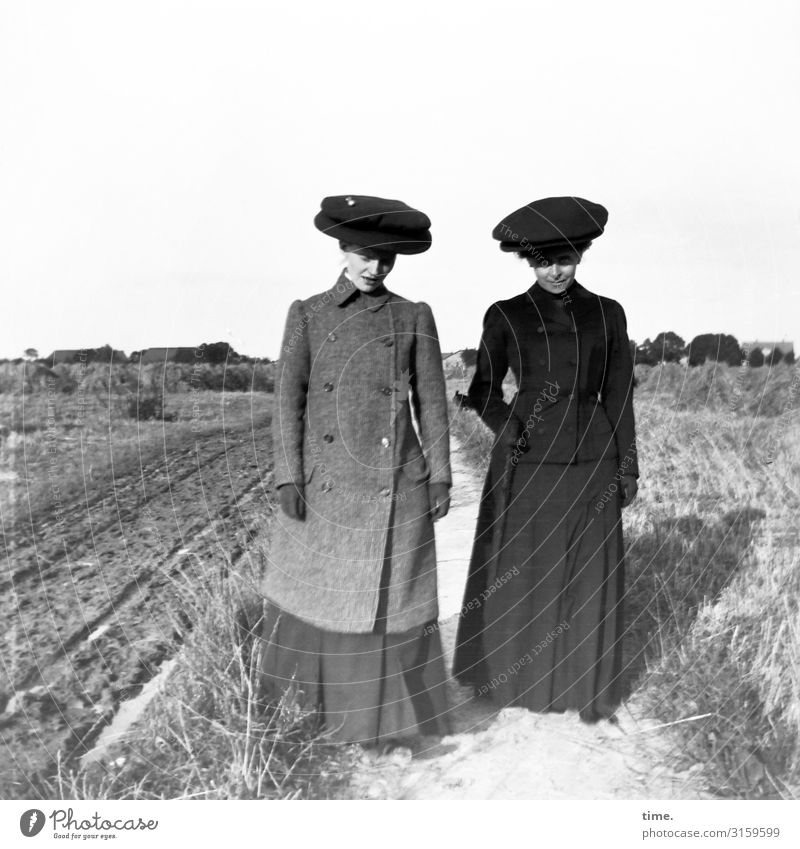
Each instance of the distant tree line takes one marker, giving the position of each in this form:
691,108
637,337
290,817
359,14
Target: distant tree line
669,347
131,378
212,353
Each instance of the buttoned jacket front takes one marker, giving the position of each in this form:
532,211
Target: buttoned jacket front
573,368
361,423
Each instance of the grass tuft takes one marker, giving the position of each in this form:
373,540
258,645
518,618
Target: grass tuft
208,734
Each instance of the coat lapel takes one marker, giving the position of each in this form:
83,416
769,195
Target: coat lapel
345,291
549,308
581,305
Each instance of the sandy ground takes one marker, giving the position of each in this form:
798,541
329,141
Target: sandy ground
513,753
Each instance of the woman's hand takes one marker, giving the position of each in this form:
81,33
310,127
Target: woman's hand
293,501
510,437
439,495
629,487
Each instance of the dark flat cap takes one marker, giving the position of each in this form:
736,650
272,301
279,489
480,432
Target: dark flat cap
371,222
549,222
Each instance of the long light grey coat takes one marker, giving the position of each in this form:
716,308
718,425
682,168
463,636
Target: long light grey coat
351,369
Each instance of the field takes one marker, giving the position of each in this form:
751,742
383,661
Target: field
121,535
131,542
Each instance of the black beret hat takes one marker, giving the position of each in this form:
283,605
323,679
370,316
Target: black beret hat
549,222
371,222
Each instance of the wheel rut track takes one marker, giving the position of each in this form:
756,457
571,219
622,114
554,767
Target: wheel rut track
119,492
203,507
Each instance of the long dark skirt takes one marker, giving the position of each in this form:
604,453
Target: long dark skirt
370,688
542,623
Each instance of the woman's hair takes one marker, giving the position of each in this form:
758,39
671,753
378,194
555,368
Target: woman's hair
532,252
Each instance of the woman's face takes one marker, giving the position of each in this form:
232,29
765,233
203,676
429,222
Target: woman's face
555,271
367,267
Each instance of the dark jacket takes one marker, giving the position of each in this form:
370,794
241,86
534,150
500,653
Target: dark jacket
354,374
572,363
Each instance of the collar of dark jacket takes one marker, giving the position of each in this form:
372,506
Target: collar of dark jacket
541,296
581,302
345,290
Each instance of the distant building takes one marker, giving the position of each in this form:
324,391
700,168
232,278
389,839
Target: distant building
71,356
68,357
167,355
767,347
453,360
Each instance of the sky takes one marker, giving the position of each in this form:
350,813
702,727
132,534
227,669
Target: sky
161,163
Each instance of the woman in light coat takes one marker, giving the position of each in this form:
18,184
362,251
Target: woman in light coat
361,452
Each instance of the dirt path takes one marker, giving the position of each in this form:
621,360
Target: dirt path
92,605
513,753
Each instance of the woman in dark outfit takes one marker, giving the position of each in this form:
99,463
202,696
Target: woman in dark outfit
351,579
541,626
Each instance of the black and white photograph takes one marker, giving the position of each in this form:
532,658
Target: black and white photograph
399,402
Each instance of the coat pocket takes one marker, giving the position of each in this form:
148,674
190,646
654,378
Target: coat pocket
417,469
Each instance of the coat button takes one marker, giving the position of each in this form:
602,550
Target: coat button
540,329
571,395
572,362
542,362
389,343
328,387
385,442
327,438
387,390
385,493
331,337
327,486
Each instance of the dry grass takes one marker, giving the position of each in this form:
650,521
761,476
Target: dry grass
753,392
102,379
714,578
63,449
208,735
713,565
